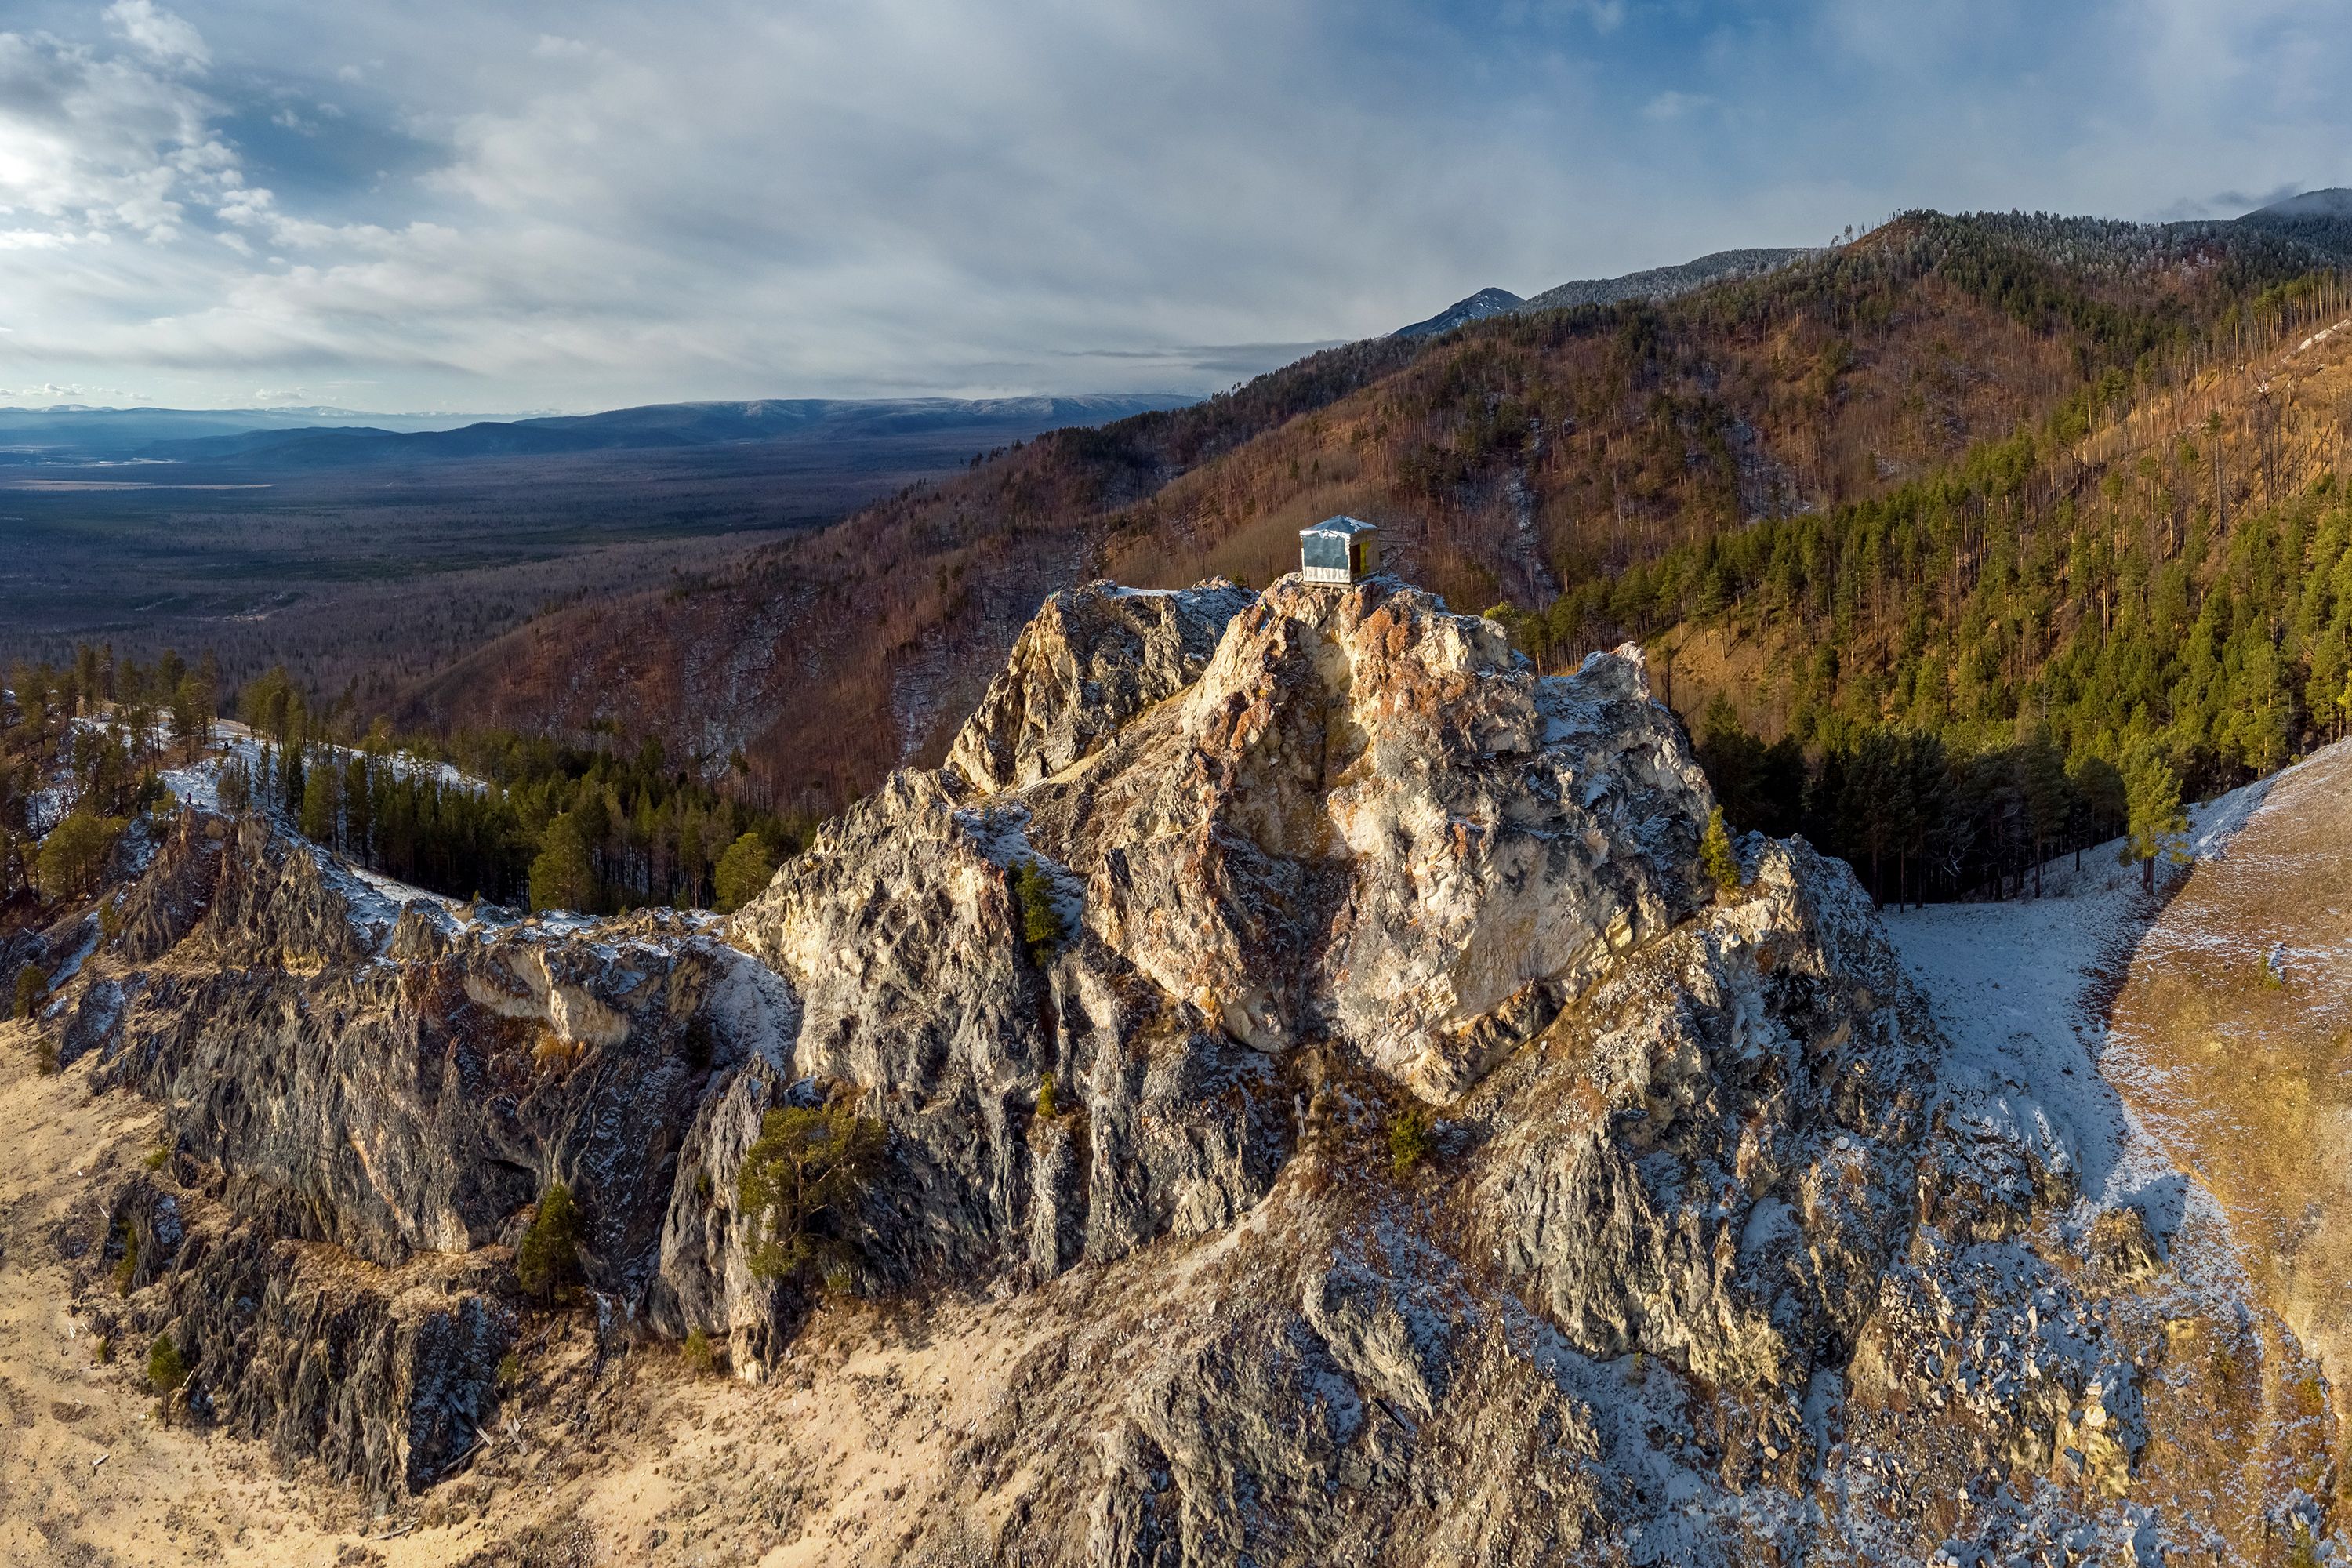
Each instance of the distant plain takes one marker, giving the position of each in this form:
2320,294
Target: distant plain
371,575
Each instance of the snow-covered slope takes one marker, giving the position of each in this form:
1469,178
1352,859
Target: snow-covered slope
2023,988
2065,1021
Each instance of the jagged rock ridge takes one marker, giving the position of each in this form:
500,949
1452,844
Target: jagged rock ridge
1503,1190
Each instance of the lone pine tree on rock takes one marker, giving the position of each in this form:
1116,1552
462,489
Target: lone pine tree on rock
1715,853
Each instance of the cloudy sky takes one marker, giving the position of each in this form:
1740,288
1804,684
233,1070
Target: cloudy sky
509,205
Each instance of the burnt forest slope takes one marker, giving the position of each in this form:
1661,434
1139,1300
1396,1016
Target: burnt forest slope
1514,459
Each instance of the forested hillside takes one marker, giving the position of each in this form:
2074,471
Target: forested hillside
1565,463
515,819
2145,594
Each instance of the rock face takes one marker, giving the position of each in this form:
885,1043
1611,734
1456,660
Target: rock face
374,1095
386,1375
1324,1009
1094,658
428,1076
1370,822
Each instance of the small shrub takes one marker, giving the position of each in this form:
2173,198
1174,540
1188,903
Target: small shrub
45,1056
509,1370
166,1368
699,1357
32,990
1046,1107
110,919
157,1153
799,1182
1715,854
1042,930
1409,1140
546,1264
126,1268
106,1350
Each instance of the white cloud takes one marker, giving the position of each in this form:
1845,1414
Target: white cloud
157,33
93,142
722,198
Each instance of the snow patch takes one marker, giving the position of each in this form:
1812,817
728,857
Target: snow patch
2019,989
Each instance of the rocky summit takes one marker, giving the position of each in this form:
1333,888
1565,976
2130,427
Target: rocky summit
1316,1029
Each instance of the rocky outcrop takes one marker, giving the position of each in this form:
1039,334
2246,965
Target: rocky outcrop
385,1375
421,1103
375,1094
1092,660
1370,820
1323,1008
900,931
1369,860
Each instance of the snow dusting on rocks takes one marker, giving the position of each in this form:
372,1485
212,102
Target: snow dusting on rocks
1409,1154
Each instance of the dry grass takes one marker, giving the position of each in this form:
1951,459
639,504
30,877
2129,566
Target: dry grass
2249,1084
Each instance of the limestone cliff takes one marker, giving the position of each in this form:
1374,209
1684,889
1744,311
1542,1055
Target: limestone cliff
1436,1166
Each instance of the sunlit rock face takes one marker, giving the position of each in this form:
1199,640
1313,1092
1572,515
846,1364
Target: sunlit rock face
1093,659
1407,1153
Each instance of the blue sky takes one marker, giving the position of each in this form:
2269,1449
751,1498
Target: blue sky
441,206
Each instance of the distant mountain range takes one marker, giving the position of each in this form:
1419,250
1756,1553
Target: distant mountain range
76,432
1656,283
329,438
2331,205
2324,216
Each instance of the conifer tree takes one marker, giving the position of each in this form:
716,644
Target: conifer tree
1716,856
2049,797
318,805
799,1183
358,821
547,1262
75,851
560,878
192,715
744,871
32,989
1043,929
2158,822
